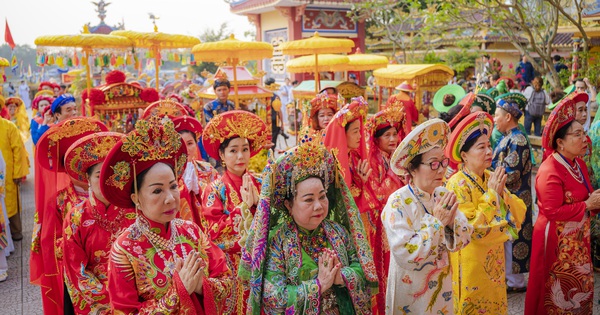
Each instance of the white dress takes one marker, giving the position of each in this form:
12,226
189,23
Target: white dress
420,277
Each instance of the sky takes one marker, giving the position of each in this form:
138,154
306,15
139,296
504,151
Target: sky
29,19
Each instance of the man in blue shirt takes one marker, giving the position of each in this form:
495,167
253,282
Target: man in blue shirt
526,70
221,104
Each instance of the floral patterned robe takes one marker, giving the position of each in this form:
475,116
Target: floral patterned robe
221,219
140,281
290,283
514,150
420,276
89,232
478,270
561,277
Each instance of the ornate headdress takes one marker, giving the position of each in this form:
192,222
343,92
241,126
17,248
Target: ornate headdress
14,100
466,103
36,101
153,141
472,126
561,115
164,107
486,102
89,151
510,107
324,100
234,123
426,136
391,116
54,143
308,159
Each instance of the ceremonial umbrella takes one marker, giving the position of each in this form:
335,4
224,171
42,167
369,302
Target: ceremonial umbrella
157,41
327,62
233,51
365,62
87,42
317,45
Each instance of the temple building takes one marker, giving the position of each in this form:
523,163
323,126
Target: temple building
279,21
102,27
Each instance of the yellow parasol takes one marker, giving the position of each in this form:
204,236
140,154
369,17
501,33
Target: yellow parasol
317,45
365,62
326,62
232,51
157,41
87,42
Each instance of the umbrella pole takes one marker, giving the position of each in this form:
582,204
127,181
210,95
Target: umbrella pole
235,85
156,66
317,75
88,83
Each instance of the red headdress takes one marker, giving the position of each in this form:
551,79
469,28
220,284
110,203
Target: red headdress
562,114
89,151
52,146
188,123
36,101
164,107
14,100
233,124
153,141
46,85
466,103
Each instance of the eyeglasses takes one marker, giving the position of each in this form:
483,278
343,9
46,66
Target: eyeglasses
578,134
436,164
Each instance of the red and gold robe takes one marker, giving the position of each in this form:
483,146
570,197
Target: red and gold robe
221,219
90,229
561,277
141,281
196,177
45,265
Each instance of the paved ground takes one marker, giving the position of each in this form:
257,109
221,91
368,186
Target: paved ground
18,296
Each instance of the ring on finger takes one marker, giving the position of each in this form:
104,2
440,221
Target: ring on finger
325,263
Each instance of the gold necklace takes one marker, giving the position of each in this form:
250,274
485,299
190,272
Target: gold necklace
159,243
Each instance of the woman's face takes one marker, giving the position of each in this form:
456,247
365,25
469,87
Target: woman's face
574,143
479,156
424,176
94,180
191,145
12,109
158,196
353,135
236,156
42,105
324,116
310,205
388,141
581,112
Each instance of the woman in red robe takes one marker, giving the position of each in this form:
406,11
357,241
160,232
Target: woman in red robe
55,196
160,264
345,137
229,203
384,133
197,174
561,277
91,228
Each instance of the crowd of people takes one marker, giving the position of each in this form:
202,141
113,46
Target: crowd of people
367,214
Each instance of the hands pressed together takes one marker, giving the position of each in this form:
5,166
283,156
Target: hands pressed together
249,193
191,272
329,270
445,208
497,180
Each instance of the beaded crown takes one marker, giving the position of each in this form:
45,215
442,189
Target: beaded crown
310,158
391,116
357,108
324,100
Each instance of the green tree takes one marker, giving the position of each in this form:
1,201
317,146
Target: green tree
530,25
463,58
408,25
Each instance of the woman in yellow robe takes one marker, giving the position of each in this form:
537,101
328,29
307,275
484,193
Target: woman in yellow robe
478,270
17,168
